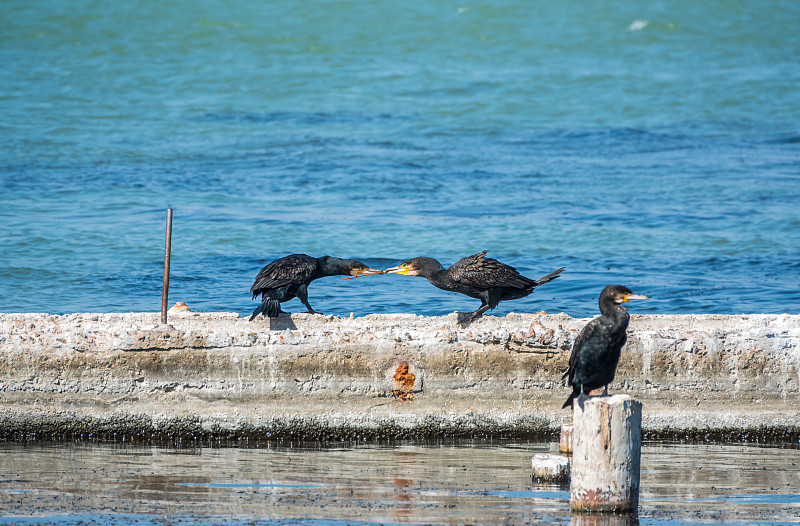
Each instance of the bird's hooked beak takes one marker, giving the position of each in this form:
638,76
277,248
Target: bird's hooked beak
629,297
365,271
359,272
404,270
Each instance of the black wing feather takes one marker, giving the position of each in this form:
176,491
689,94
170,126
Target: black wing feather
289,270
585,335
481,272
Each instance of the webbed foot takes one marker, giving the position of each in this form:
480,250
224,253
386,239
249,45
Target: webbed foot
465,318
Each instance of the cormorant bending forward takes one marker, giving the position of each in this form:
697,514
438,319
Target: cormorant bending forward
289,277
596,351
476,276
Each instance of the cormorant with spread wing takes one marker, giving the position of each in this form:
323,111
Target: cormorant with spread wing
596,351
476,276
289,277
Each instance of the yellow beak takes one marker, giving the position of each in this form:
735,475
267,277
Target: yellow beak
629,297
402,270
367,272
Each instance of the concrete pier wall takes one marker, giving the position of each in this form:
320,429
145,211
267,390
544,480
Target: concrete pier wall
314,376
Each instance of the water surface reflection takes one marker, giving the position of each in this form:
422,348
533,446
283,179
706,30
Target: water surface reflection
458,482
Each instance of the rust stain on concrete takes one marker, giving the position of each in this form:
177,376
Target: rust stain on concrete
403,382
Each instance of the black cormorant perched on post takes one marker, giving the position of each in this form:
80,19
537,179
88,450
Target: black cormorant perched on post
289,276
476,276
596,351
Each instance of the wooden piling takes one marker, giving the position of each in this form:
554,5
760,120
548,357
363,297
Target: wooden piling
604,519
548,468
565,440
606,455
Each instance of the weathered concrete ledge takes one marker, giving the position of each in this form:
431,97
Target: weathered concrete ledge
313,376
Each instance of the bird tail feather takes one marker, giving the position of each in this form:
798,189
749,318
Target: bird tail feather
550,277
269,307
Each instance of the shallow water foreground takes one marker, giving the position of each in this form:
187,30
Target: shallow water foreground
462,482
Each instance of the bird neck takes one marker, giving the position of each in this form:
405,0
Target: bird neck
331,266
438,278
613,311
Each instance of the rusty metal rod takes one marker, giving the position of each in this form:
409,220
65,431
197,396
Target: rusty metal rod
167,251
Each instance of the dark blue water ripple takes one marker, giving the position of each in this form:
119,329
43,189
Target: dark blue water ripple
657,150
297,118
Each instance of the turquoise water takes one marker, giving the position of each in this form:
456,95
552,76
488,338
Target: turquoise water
656,146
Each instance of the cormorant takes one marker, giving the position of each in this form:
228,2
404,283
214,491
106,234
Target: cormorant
289,277
476,276
596,351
